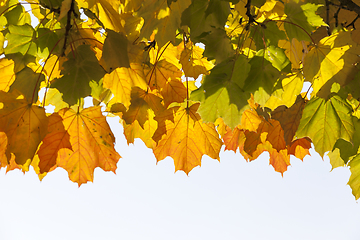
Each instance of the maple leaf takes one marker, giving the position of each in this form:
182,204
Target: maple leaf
332,60
221,94
78,72
106,11
7,74
326,121
289,118
139,60
187,139
92,144
21,122
122,80
354,180
193,62
303,15
162,19
56,139
165,77
300,147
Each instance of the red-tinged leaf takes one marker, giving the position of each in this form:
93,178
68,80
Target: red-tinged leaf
276,135
300,148
233,138
56,139
22,123
279,160
289,118
92,144
174,91
187,139
253,139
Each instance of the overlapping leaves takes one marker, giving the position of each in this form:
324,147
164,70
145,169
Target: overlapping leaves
141,61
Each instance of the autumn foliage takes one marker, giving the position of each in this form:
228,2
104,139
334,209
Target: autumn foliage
184,76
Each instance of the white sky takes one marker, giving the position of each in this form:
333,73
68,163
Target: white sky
228,200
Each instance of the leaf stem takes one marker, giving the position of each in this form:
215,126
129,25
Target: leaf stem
68,27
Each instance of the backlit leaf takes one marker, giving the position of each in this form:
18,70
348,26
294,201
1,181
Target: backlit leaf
354,180
326,121
78,71
22,123
92,144
187,139
122,80
332,60
20,40
7,75
302,20
193,62
221,94
56,139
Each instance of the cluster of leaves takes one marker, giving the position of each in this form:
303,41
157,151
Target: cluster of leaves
185,76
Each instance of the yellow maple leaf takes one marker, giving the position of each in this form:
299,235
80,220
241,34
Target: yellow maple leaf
166,77
187,139
122,80
106,11
193,62
250,120
92,144
7,74
332,60
24,123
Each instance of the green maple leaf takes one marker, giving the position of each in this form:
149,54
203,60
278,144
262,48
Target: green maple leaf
21,40
354,180
217,45
28,83
164,19
221,94
46,41
77,74
265,37
115,51
262,78
17,14
325,122
203,16
301,20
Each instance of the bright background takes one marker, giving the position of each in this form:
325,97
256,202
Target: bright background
232,199
144,201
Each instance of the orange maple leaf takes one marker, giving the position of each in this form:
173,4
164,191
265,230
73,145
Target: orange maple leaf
92,144
187,139
300,147
166,77
289,118
24,124
56,139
